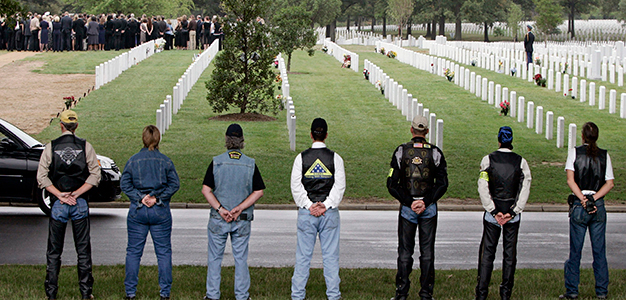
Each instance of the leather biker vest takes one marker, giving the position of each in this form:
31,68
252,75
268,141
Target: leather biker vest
68,169
589,173
318,173
418,167
505,179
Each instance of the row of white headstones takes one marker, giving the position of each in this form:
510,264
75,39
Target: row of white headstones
172,103
339,54
111,69
287,102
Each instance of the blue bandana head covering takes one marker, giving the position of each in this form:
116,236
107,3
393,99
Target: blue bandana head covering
505,135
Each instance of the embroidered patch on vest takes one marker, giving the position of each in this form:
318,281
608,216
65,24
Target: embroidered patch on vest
390,172
234,155
418,145
417,160
318,171
484,175
68,155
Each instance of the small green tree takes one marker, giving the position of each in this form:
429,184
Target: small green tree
514,18
292,30
401,10
243,77
9,7
549,17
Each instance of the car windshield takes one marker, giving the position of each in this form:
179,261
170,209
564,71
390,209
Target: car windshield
21,134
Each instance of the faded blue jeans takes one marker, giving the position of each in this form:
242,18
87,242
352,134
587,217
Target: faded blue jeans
158,221
579,221
218,231
327,226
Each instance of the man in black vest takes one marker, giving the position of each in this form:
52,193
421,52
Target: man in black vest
68,169
590,177
318,181
418,178
503,185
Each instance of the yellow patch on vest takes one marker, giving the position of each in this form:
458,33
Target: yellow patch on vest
390,172
484,175
318,171
234,155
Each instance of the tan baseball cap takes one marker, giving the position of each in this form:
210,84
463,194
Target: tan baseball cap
69,116
420,123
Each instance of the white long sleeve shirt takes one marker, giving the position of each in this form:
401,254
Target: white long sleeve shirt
483,186
336,192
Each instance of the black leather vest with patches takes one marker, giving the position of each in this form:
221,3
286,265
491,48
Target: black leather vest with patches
318,173
68,170
418,167
505,179
589,173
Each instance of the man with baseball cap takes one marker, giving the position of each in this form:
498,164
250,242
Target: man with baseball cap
503,185
318,181
418,178
68,169
232,185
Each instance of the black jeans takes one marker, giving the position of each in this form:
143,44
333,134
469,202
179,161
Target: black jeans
56,237
406,248
487,254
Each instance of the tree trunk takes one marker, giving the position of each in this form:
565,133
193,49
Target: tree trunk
328,30
333,27
442,25
427,29
348,23
408,28
373,24
400,31
288,62
572,16
486,32
360,22
457,29
384,26
434,29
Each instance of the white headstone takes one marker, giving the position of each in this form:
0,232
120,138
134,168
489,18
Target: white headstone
505,94
484,89
574,87
473,82
513,104
403,102
566,90
539,120
620,76
420,109
622,106
550,79
560,132
478,85
530,120
596,60
602,98
592,93
520,109
433,133
583,90
557,83
409,106
612,101
466,78
612,73
549,125
498,96
490,95
439,134
531,72
571,141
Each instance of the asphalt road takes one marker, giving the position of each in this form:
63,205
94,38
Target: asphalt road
368,239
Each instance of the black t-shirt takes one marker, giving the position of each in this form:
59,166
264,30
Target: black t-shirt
257,180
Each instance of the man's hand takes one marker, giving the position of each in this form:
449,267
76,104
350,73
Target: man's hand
67,198
318,209
148,200
505,219
584,203
226,215
418,206
499,218
235,212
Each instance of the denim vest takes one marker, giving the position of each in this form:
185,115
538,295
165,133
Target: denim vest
233,172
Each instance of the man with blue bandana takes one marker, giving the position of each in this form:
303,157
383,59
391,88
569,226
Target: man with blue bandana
503,185
418,178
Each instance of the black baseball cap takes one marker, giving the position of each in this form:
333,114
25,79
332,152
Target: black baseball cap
319,126
234,130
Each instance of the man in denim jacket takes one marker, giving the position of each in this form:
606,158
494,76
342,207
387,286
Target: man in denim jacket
68,169
232,185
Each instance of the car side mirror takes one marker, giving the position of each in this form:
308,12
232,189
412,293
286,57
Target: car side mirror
8,144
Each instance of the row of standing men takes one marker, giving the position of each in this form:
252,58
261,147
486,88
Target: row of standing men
233,183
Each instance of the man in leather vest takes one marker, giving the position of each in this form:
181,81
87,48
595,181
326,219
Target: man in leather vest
232,185
418,178
503,186
318,182
590,177
68,168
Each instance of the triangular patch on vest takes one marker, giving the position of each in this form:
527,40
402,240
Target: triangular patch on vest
318,170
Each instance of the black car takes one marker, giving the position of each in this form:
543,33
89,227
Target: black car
19,159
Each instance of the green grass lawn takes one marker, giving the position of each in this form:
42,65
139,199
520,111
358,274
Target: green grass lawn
72,62
364,128
26,282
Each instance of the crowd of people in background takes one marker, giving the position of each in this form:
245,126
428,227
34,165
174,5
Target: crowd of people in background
80,32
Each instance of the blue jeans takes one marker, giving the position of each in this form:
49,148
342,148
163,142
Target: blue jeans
327,226
158,221
579,221
218,231
64,212
529,59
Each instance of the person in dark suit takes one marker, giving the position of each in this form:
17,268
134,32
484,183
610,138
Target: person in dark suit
529,39
131,31
109,29
78,26
66,30
199,33
117,33
124,29
27,33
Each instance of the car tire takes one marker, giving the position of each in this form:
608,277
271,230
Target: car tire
43,200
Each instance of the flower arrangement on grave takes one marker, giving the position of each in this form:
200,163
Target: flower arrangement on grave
473,62
564,66
366,74
69,101
504,107
279,81
569,92
449,74
276,62
325,49
159,45
513,71
537,61
540,81
392,54
500,66
279,97
379,85
382,51
347,61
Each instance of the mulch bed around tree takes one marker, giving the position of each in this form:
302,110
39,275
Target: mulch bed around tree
245,117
